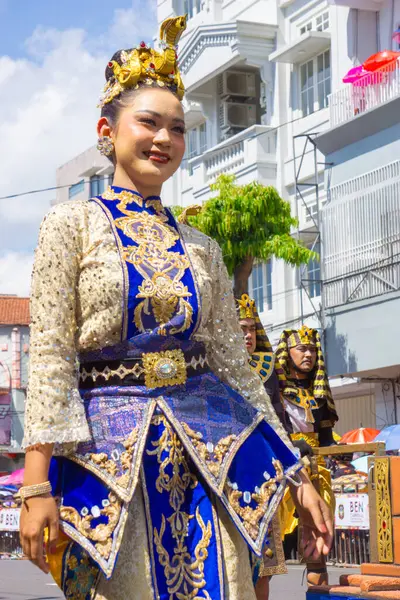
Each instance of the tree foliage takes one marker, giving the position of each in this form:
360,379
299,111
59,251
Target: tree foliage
250,222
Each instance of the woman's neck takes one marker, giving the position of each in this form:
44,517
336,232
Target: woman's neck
121,179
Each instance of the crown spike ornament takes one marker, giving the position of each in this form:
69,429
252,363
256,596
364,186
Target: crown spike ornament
146,66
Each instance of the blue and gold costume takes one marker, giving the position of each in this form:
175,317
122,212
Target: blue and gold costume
156,422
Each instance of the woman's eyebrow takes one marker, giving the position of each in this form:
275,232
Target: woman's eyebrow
154,113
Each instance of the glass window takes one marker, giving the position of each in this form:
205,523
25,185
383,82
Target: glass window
314,276
191,7
307,87
192,143
315,83
305,28
96,185
324,78
322,22
257,284
268,268
76,189
203,138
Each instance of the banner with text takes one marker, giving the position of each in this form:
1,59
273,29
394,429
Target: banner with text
352,511
9,519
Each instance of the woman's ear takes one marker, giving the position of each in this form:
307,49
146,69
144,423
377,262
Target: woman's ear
103,128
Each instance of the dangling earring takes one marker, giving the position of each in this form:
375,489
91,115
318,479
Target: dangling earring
105,145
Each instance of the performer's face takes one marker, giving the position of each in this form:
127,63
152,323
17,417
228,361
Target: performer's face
149,140
303,357
249,331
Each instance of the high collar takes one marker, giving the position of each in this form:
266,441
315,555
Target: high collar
118,190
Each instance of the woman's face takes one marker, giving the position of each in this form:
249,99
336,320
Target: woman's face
149,139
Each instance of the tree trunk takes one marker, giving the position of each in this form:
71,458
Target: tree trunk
241,277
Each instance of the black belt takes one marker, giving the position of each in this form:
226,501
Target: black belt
152,369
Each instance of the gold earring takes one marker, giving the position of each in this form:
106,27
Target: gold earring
105,145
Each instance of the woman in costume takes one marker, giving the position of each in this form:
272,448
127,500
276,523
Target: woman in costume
262,361
151,418
310,416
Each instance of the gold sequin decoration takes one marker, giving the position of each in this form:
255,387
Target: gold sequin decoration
212,458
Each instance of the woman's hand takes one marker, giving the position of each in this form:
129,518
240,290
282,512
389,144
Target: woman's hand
316,519
38,513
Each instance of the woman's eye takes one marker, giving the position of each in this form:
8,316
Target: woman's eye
148,121
181,130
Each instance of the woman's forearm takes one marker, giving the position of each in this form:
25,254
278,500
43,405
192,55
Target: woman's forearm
37,463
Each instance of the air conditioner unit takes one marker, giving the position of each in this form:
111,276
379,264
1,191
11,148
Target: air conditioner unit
238,83
237,114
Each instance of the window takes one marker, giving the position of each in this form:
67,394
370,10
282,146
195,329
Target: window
76,189
314,276
97,184
320,23
261,286
315,83
196,142
191,7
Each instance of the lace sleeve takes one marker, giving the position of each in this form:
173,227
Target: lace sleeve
226,350
54,411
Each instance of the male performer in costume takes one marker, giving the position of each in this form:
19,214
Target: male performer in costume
310,415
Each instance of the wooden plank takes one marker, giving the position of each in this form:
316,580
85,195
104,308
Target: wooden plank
375,447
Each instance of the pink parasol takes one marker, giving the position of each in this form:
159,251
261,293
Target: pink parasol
15,478
354,74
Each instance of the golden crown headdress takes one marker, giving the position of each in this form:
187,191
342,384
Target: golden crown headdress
247,307
145,65
303,337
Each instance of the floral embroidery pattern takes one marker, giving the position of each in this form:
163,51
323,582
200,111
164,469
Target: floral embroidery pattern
184,576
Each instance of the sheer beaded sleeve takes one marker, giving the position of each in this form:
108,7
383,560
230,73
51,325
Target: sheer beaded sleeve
54,411
226,350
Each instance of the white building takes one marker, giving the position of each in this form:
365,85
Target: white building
262,77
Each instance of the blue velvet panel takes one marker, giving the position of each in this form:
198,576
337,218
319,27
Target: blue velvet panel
184,540
165,266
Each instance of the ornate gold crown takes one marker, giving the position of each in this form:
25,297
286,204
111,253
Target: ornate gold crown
145,65
247,307
304,336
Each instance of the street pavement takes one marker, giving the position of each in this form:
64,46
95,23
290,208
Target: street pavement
20,580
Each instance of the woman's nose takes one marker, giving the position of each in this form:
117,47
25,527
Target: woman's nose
162,137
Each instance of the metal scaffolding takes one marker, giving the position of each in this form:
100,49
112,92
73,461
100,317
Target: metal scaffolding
304,144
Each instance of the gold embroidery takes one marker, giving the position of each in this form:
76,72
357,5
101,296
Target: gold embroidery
214,456
102,533
383,510
162,270
83,578
251,517
110,466
164,368
184,576
124,197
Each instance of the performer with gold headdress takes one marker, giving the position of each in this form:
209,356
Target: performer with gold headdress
310,416
143,454
262,361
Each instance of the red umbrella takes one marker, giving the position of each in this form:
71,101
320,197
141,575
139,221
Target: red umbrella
381,59
359,436
396,35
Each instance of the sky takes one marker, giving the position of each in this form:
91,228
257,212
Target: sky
53,54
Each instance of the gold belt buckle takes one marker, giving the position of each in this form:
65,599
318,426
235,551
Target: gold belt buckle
164,368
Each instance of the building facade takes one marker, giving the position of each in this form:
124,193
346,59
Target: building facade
14,355
265,101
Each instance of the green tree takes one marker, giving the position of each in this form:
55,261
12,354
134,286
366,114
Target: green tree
250,222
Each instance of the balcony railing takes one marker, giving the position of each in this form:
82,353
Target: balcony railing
367,93
253,146
361,233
